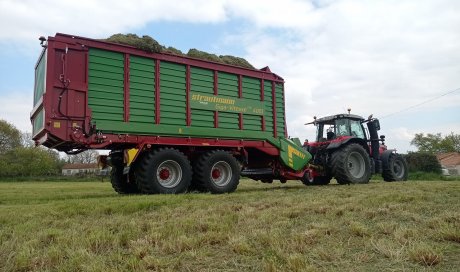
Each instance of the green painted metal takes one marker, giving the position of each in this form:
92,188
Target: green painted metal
226,104
141,90
38,122
106,100
268,106
280,118
40,73
106,86
172,93
292,155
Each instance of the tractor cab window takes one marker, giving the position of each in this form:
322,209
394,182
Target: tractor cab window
357,129
342,127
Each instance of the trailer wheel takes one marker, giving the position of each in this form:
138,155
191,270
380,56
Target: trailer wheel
217,171
395,169
318,180
163,171
122,183
351,164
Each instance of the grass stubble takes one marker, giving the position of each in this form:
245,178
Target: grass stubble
71,226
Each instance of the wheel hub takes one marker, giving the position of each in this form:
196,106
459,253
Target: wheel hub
164,174
215,173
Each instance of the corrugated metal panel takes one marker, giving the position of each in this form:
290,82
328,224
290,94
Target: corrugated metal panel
268,106
172,93
202,81
141,90
227,84
251,91
105,85
228,120
279,109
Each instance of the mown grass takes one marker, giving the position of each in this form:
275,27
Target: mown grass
69,226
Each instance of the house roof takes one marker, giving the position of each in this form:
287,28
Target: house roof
80,166
449,159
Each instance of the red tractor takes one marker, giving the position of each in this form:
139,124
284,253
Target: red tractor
346,151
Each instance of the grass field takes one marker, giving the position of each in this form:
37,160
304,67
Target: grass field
85,226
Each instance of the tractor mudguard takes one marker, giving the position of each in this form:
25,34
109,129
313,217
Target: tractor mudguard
334,145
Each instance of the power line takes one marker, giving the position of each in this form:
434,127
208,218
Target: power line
422,103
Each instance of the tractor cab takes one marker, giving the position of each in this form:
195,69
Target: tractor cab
340,126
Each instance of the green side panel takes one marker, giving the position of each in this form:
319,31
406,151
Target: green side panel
227,84
172,93
141,90
228,120
201,80
292,155
38,122
252,122
268,106
279,109
106,85
40,74
226,104
251,88
202,118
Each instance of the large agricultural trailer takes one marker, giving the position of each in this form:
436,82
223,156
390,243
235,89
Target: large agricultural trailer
171,123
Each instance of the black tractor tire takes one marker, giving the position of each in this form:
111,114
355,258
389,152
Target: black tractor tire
318,180
120,182
163,171
351,164
217,171
395,169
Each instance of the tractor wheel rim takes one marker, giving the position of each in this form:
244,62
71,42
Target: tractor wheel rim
221,173
169,174
356,165
398,169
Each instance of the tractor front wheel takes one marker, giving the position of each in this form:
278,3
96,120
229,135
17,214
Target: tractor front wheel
351,164
395,168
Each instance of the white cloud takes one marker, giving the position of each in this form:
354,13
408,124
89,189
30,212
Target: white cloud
15,108
373,56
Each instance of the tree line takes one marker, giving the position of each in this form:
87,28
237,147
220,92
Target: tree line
20,157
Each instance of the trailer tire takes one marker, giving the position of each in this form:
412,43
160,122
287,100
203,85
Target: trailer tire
163,171
122,183
395,168
217,171
351,164
318,180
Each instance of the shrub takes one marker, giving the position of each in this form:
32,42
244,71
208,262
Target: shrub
423,162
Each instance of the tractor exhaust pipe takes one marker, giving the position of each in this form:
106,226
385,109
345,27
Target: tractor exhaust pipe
373,126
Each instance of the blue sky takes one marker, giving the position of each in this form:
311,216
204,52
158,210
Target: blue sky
377,57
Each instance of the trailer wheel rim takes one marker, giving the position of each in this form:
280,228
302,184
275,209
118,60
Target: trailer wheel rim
356,165
169,174
221,173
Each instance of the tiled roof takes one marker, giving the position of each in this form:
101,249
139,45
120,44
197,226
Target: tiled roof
449,159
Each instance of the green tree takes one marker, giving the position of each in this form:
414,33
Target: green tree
10,137
436,143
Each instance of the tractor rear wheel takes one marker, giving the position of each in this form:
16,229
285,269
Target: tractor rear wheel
351,164
122,183
395,169
163,171
217,171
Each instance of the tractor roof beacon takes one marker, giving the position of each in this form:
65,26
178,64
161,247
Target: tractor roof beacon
347,151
